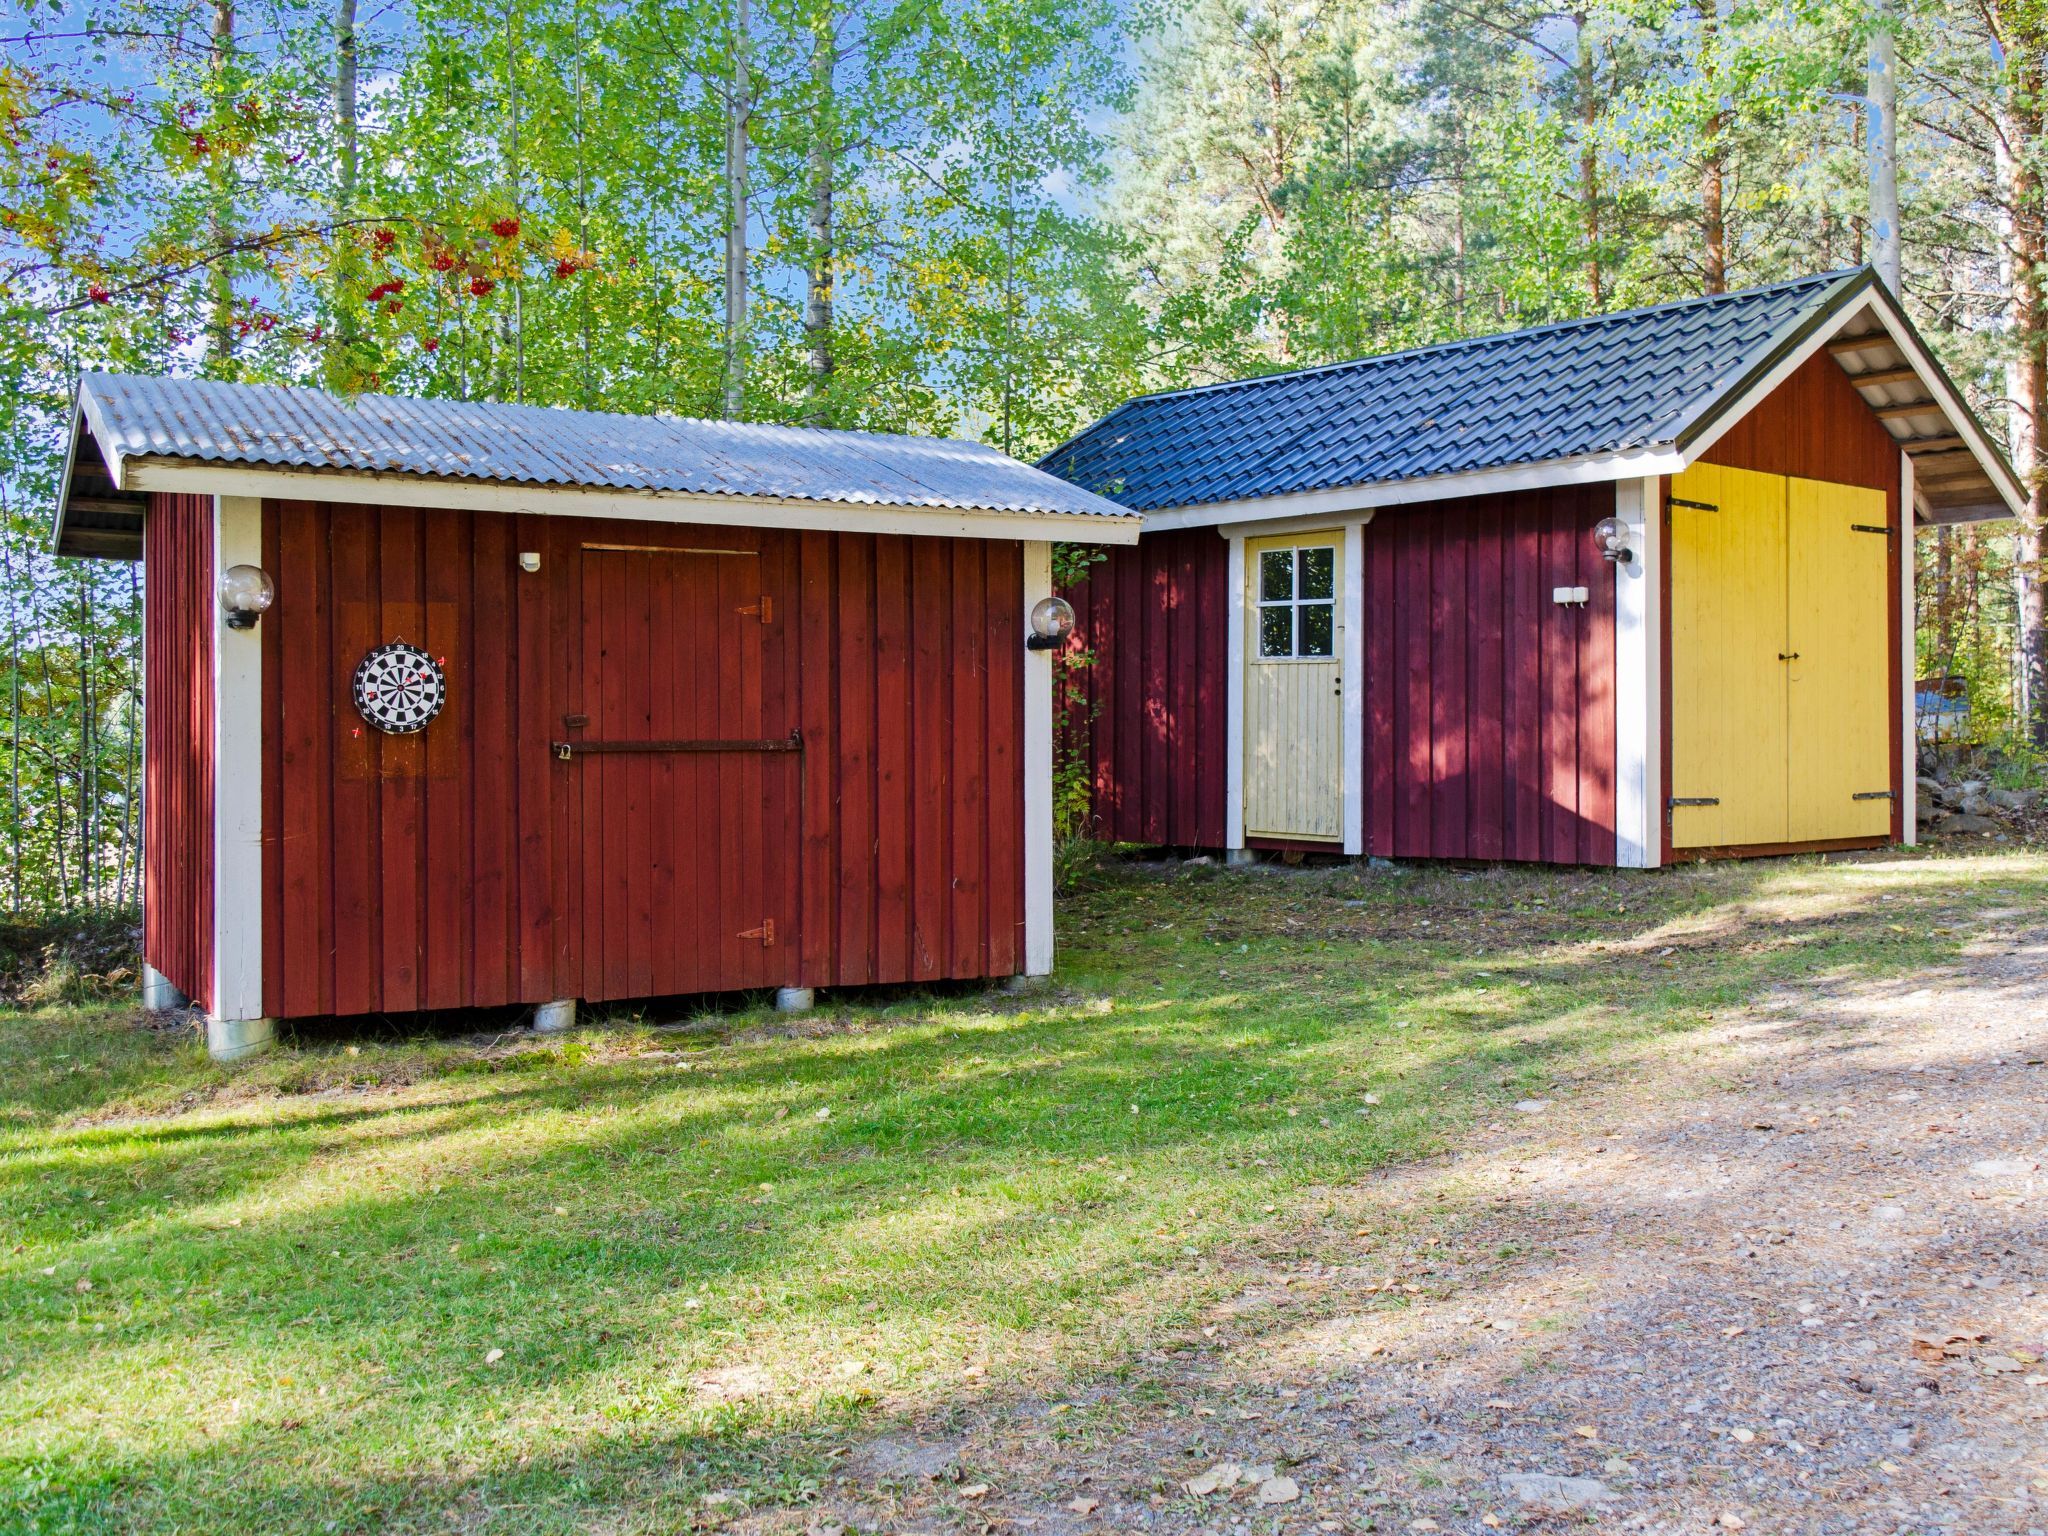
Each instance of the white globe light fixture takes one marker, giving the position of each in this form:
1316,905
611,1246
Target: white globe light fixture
1052,620
246,593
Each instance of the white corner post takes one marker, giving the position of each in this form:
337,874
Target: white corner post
1233,706
1639,678
1909,657
1353,675
1038,766
235,1024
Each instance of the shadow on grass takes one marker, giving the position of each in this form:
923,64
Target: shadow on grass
671,1259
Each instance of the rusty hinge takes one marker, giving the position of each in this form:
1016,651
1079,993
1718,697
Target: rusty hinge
765,933
765,608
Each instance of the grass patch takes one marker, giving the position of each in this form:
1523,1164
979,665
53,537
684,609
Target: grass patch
416,1285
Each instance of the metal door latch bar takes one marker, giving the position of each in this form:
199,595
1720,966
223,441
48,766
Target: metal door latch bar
794,742
1693,800
1869,528
1872,794
1697,506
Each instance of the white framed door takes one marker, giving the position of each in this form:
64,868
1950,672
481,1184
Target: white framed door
1294,687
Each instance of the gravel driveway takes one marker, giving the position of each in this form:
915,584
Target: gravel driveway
1782,1276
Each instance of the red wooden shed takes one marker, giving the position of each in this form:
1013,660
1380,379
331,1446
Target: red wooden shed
551,705
1613,591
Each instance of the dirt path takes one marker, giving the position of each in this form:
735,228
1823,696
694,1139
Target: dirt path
1786,1279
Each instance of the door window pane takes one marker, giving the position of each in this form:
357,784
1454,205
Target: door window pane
1319,572
1318,630
1276,631
1276,575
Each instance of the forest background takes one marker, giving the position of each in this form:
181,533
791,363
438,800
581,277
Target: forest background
993,218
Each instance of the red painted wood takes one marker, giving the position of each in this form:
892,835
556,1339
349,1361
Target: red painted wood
1151,703
1486,604
468,866
178,787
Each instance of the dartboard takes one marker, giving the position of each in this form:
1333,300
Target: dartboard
399,688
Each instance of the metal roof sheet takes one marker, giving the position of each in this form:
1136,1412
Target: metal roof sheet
1605,384
295,428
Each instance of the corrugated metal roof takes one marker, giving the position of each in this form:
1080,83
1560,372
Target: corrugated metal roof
291,428
1601,385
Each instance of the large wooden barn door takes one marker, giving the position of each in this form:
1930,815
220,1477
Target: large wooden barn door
687,774
1838,619
1780,662
1728,726
1293,688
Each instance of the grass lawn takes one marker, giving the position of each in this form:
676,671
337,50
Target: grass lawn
426,1285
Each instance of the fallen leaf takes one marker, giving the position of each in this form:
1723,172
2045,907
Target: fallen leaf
1223,1475
1278,1490
974,1490
1084,1506
83,1286
1733,1333
492,1357
1744,1436
1586,1432
1733,1522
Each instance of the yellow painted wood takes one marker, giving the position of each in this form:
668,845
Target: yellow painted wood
1294,717
1838,607
1729,726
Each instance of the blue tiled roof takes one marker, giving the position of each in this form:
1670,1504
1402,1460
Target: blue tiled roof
1600,385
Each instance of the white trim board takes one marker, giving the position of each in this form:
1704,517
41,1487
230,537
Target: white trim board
231,480
1909,621
237,775
1038,766
1352,680
1638,678
1233,706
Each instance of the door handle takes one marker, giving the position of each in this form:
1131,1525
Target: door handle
1788,655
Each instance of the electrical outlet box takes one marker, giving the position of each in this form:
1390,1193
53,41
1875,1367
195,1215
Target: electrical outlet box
1570,596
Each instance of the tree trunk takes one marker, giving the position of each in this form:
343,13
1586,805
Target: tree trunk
348,329
220,214
1882,139
820,272
1589,161
2024,33
515,318
738,108
14,723
1713,163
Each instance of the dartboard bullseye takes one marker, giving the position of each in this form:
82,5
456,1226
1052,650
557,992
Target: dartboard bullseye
399,688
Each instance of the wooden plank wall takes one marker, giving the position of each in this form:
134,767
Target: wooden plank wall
1489,708
1816,426
1151,705
177,804
445,870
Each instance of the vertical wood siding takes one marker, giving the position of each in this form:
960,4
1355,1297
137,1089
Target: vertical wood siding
177,805
467,866
1489,708
1817,427
1150,707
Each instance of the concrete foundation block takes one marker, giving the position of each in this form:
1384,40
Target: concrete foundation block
235,1039
1237,858
157,992
548,1018
794,999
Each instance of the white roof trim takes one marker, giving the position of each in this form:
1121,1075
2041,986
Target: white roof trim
1593,469
1725,413
409,490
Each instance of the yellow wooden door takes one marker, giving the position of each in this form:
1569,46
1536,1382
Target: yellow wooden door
1839,638
1729,727
1293,687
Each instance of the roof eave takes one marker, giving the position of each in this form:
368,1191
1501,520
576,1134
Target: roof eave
383,488
1798,340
